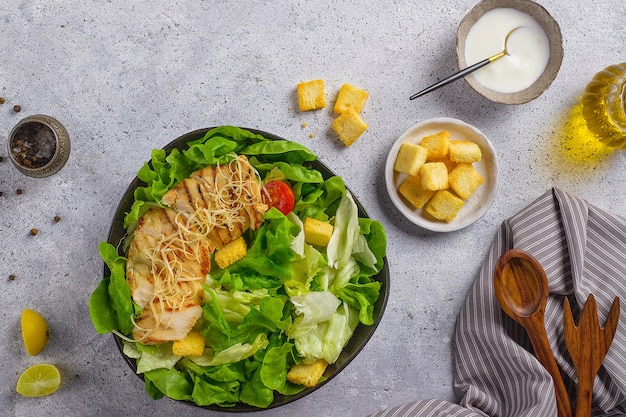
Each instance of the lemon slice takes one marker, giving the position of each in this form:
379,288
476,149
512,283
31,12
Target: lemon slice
34,332
39,380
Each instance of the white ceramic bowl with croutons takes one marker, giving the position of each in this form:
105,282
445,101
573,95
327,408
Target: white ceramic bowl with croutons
473,206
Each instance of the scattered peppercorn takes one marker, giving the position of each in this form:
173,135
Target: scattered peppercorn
1,159
19,191
2,100
57,219
1,194
17,108
33,232
11,277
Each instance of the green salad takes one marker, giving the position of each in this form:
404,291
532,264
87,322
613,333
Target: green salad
285,302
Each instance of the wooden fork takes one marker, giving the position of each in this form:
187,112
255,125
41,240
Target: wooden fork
588,344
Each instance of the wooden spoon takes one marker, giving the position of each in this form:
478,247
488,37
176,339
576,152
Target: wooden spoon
588,344
521,286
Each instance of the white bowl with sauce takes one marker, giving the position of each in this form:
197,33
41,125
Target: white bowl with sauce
536,49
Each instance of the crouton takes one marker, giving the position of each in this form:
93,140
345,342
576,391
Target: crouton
411,189
464,180
434,176
350,97
438,145
191,345
307,374
349,126
317,232
444,205
464,151
230,253
311,95
449,164
410,158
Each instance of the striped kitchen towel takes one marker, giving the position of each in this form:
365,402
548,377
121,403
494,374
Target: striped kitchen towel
583,250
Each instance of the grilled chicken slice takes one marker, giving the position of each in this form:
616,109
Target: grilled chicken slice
222,201
165,271
170,254
157,251
171,324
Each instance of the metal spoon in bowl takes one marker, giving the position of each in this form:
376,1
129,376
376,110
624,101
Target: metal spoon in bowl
521,287
468,70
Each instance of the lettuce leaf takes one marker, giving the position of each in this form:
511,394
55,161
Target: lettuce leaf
362,297
280,151
102,316
324,339
170,382
270,254
264,315
110,305
319,201
232,354
208,392
315,307
276,364
291,172
346,233
160,356
255,392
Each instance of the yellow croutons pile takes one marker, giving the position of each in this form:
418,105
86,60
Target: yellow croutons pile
350,101
441,174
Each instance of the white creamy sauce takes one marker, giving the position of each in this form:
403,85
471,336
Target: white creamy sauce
528,50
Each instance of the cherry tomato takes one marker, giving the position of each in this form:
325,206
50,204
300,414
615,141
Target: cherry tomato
280,195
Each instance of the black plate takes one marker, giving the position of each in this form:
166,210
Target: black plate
362,333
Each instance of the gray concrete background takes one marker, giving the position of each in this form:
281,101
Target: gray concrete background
127,77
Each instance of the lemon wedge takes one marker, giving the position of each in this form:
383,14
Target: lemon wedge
39,380
34,332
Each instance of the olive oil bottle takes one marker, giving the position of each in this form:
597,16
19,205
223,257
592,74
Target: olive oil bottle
604,105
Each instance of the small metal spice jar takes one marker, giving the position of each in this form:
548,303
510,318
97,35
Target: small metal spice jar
39,146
